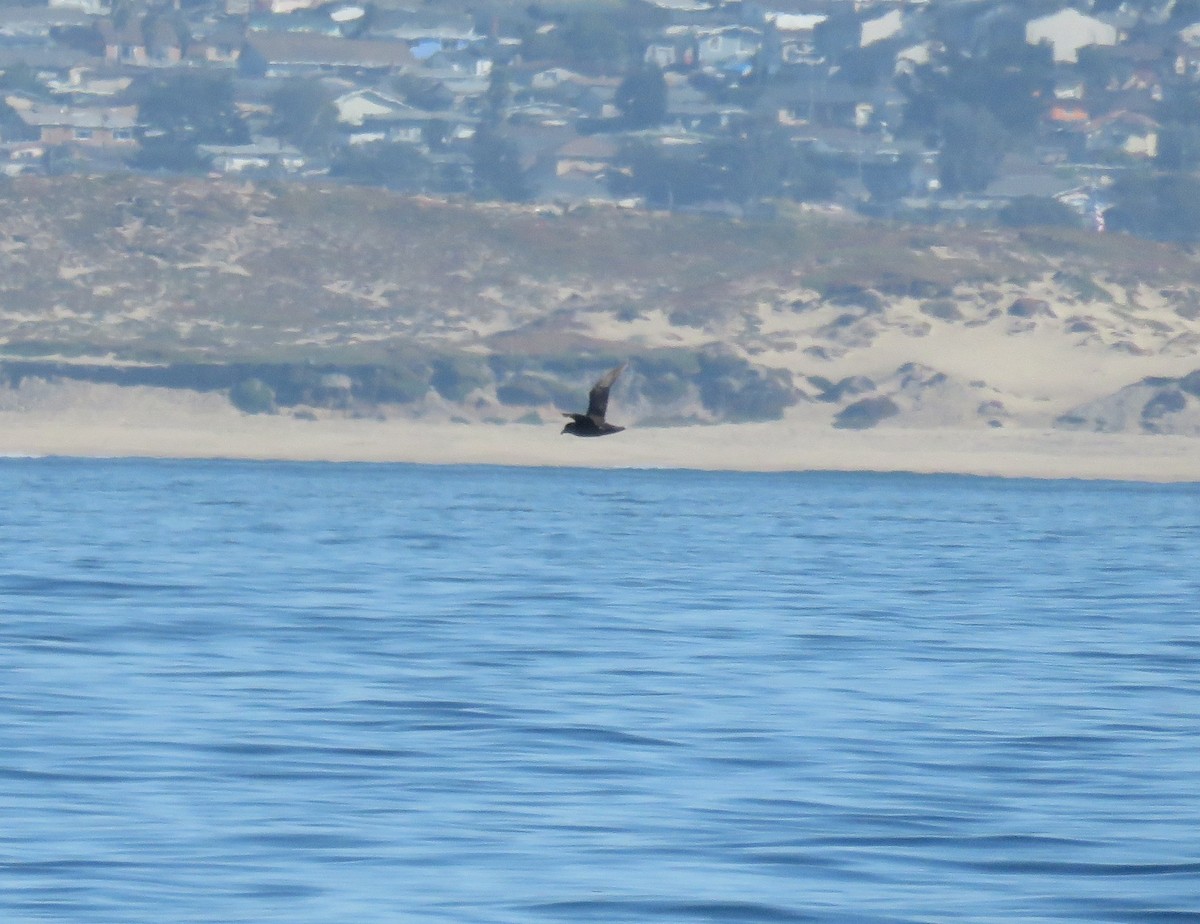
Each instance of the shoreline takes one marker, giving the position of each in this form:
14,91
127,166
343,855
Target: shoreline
108,422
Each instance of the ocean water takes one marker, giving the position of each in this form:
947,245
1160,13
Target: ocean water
247,692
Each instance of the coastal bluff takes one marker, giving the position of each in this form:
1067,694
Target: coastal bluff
320,303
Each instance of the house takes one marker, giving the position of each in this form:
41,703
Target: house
318,22
909,60
1067,31
286,6
1187,63
552,77
222,45
266,154
357,106
108,127
721,47
684,6
145,42
463,86
83,82
881,28
690,110
90,7
1123,132
50,62
820,101
267,54
795,33
370,115
1071,88
22,157
421,27
590,156
667,54
163,43
30,25
123,44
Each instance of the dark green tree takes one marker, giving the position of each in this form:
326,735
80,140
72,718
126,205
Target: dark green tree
754,163
396,166
599,42
497,166
193,108
1179,147
22,78
302,114
1163,206
642,97
183,111
888,178
496,99
665,180
973,145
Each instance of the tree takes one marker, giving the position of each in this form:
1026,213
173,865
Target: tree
184,111
22,78
497,165
1179,147
888,178
396,166
193,109
1165,206
755,163
642,97
496,99
665,180
599,42
1010,83
973,144
303,114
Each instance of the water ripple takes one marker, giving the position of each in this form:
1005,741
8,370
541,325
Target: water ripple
317,693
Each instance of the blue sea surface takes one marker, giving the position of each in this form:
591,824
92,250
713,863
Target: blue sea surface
249,692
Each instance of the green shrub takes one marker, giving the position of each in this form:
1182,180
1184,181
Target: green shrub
455,377
735,391
253,396
864,414
526,389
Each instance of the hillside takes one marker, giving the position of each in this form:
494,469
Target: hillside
353,301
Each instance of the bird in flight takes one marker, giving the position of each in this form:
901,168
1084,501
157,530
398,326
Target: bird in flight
593,423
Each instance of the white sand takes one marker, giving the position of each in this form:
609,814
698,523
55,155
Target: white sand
74,419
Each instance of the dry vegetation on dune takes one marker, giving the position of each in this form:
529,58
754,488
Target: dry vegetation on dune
352,299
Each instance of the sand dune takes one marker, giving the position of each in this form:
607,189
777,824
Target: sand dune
969,350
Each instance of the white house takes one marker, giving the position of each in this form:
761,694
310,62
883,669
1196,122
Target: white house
883,27
261,155
919,55
803,23
357,106
1191,34
1067,31
91,7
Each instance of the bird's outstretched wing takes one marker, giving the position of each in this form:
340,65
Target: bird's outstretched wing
598,396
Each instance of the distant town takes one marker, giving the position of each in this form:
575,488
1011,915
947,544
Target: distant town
1023,113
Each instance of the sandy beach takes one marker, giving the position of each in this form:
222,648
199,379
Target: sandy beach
86,420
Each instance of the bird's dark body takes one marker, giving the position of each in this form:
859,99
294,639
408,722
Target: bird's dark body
593,423
582,425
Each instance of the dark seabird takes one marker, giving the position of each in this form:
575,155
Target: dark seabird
593,423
